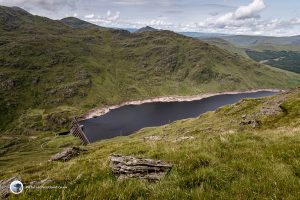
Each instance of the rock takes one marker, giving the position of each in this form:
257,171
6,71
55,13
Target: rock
4,186
35,80
132,167
254,123
153,138
8,84
184,138
56,119
272,107
66,154
82,75
41,182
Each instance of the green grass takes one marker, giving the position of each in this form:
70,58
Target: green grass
224,161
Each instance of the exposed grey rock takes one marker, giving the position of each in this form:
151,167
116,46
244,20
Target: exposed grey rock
35,80
184,138
4,186
132,167
153,138
272,107
8,84
66,154
57,119
253,123
41,182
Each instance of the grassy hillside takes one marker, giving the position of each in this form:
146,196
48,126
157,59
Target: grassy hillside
225,160
282,56
50,71
249,40
223,44
288,60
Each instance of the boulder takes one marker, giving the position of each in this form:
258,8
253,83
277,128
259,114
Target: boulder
253,123
4,186
140,168
66,155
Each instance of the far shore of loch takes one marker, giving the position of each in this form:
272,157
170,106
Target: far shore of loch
97,112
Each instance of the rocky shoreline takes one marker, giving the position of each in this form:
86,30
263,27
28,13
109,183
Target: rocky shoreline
102,111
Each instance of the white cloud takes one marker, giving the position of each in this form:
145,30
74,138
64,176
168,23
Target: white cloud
46,4
110,19
244,12
90,16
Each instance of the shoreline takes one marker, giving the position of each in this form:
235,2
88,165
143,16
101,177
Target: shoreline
97,112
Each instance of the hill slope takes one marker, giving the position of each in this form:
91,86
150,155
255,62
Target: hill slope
77,23
146,29
279,54
50,72
225,159
246,40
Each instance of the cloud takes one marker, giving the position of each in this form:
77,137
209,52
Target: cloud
244,12
45,4
130,2
110,19
90,16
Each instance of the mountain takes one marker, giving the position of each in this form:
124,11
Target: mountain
223,44
50,72
146,29
78,23
246,40
203,35
279,52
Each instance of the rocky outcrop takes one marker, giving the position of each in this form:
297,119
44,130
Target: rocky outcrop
41,182
254,123
4,186
155,138
132,167
269,108
8,84
66,155
272,107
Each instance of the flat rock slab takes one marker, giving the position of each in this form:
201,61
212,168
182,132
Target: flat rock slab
132,167
4,186
66,155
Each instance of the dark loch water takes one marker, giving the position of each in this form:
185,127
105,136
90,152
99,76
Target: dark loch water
126,120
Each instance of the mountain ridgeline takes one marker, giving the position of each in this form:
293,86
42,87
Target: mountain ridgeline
51,70
279,52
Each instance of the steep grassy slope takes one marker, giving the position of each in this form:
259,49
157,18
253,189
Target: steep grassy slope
223,44
225,160
50,71
286,57
77,23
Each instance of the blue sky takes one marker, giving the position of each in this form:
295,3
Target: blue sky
254,17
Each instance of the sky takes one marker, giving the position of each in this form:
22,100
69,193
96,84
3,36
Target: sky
248,17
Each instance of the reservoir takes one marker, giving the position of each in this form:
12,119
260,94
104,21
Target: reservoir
128,119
